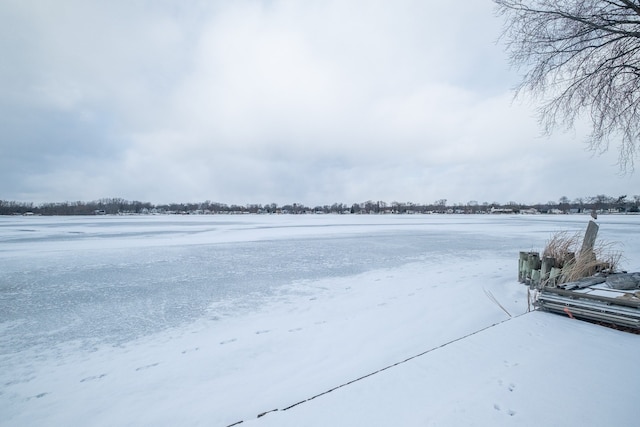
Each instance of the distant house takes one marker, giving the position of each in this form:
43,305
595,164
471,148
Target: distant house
501,210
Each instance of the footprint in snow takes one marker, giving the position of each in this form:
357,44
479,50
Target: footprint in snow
510,412
14,382
295,330
193,349
38,396
262,332
511,386
228,341
93,377
142,368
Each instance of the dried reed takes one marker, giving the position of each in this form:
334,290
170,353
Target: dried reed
564,247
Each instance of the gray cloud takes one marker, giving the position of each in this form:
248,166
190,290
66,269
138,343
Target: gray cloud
273,101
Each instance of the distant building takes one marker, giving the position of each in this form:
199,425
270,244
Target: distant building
501,210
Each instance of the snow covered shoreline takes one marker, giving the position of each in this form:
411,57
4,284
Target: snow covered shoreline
248,354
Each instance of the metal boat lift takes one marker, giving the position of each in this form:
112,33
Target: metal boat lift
591,304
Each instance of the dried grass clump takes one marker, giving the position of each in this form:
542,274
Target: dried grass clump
562,247
565,248
604,258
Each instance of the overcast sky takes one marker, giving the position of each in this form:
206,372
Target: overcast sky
275,101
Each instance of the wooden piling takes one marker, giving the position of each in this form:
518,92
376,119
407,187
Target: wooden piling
589,239
534,260
533,263
554,275
535,279
522,266
547,264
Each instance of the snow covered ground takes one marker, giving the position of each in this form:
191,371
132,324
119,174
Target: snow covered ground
213,320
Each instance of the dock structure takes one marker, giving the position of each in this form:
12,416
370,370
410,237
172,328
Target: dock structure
596,303
579,286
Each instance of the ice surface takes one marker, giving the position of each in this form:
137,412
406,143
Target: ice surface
106,279
182,320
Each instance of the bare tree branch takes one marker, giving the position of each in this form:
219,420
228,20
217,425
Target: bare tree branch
581,58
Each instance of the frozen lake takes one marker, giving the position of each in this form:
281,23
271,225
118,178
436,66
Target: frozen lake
93,300
113,279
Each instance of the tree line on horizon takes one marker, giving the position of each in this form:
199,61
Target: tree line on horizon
113,206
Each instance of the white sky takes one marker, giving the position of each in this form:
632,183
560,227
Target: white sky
312,102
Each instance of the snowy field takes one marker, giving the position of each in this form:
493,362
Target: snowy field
213,320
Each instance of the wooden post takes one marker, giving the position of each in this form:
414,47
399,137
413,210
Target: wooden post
569,258
522,267
553,275
533,261
547,264
535,279
586,252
